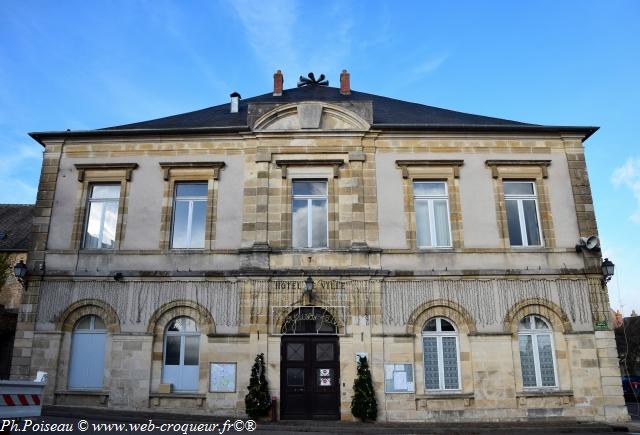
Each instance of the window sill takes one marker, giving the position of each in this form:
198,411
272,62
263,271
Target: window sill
96,251
158,399
178,395
539,392
186,250
87,392
101,395
444,396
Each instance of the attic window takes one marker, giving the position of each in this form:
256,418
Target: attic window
3,235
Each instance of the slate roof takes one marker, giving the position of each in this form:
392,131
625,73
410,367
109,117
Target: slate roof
385,111
388,113
15,227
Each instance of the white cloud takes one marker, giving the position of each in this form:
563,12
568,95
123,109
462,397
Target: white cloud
429,65
15,167
270,28
282,39
628,175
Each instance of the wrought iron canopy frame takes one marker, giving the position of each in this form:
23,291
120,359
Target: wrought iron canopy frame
279,314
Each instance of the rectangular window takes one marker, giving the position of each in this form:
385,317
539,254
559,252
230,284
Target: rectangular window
536,361
189,215
102,216
309,214
431,201
522,213
441,363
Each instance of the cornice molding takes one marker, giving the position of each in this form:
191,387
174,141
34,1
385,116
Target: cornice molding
404,165
495,164
82,167
168,166
285,163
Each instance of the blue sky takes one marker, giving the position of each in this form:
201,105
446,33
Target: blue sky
85,65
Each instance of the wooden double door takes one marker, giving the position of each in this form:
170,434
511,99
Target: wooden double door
310,377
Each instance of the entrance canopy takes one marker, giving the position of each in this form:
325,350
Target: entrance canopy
308,320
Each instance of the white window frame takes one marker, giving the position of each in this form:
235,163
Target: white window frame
535,333
90,201
432,222
438,335
519,199
309,199
191,200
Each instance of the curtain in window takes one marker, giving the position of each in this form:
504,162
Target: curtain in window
319,223
441,218
423,232
531,222
300,223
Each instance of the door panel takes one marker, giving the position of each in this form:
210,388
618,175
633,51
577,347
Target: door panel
87,360
181,362
310,377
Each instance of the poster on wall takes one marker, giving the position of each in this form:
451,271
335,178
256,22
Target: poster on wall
398,378
222,378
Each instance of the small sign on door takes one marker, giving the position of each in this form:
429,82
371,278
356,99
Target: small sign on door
325,377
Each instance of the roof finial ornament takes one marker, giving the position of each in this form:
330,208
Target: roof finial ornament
320,81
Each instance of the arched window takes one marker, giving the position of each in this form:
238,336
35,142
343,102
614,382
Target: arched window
536,353
88,341
441,355
181,354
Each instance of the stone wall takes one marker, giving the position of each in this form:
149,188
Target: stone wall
11,291
491,387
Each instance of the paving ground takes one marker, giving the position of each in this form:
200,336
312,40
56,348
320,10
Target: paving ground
97,421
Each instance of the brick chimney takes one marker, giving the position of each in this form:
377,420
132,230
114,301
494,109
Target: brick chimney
345,83
278,81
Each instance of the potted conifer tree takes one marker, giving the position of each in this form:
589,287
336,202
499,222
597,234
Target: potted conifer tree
363,402
257,401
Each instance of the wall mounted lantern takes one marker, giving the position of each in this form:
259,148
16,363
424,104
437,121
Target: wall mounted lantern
308,286
20,271
607,270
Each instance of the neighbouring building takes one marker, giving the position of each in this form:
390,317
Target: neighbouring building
627,332
15,232
317,225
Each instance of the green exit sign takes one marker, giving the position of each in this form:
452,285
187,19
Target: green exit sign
601,325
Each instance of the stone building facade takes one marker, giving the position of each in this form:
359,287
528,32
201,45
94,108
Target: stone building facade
440,245
15,230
